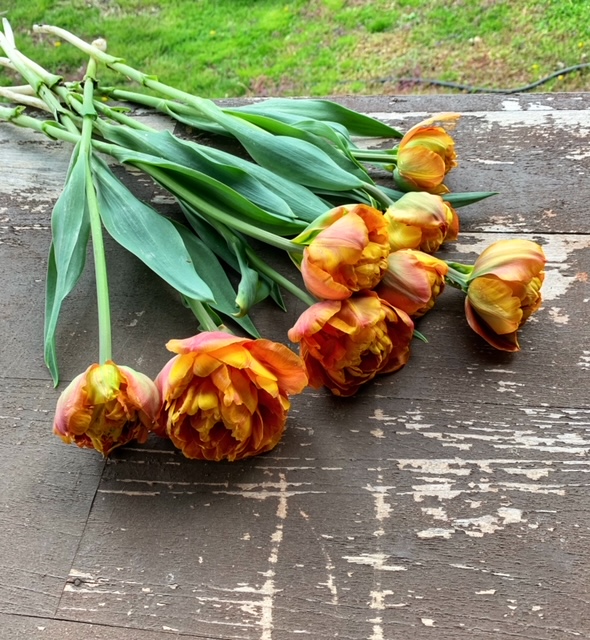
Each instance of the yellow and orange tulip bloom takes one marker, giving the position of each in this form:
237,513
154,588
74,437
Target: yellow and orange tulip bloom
349,254
225,397
106,407
421,220
346,343
504,289
425,155
413,281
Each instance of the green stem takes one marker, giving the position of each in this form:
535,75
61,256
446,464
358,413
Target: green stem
458,275
39,79
121,118
206,107
100,266
216,214
205,320
289,286
377,156
157,103
378,195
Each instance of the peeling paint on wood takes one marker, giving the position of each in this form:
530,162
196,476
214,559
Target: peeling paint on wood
448,499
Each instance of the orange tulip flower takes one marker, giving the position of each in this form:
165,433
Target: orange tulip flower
348,254
413,281
227,398
346,343
504,289
106,407
421,220
425,155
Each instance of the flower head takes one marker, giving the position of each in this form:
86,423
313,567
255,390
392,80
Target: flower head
348,254
421,220
413,281
345,343
226,398
425,155
504,289
106,407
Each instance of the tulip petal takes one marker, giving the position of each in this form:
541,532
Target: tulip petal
515,259
422,166
505,342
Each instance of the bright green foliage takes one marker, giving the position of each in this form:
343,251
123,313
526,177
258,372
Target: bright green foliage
222,49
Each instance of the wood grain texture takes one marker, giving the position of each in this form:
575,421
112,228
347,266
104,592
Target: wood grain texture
449,500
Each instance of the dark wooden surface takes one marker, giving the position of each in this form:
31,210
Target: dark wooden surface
450,500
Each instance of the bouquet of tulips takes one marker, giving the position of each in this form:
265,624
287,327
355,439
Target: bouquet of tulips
364,251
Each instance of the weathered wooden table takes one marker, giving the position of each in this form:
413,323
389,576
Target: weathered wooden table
450,500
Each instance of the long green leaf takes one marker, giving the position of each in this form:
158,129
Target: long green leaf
207,189
292,158
304,203
70,230
212,272
455,199
325,110
165,145
147,234
218,243
319,134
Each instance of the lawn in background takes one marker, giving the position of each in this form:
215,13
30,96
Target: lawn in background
231,48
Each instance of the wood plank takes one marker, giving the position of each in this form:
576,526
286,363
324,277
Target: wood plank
46,490
18,626
450,497
370,515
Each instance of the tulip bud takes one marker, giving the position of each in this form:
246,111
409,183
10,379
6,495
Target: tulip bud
106,407
421,221
504,289
425,155
348,254
413,281
346,343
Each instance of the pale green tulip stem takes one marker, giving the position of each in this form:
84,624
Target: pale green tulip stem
100,266
216,214
275,276
205,320
376,156
458,275
378,195
204,106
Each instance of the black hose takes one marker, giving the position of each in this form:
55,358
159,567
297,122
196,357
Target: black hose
471,89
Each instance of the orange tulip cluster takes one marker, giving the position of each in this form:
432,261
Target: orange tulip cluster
226,398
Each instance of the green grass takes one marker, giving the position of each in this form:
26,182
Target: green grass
230,48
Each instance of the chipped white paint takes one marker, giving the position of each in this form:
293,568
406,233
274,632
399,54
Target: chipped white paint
436,532
437,513
584,362
556,314
576,120
129,493
511,105
267,605
378,599
532,474
484,161
477,527
486,592
382,507
375,560
427,622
